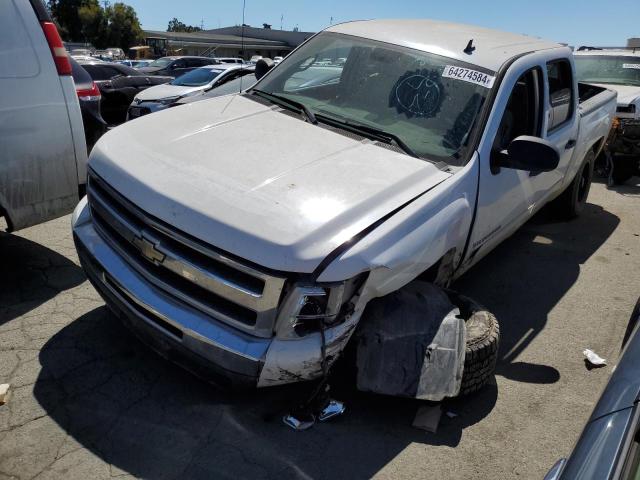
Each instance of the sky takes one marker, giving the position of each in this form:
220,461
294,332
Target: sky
576,22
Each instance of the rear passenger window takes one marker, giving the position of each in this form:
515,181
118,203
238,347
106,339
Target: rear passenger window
560,93
17,56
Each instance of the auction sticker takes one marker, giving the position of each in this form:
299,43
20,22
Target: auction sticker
631,65
468,75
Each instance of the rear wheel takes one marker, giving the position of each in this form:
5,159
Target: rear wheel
571,202
623,170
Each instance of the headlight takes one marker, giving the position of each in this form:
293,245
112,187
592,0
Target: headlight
307,308
168,100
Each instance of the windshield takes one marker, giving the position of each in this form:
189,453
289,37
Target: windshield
605,69
161,62
196,78
428,101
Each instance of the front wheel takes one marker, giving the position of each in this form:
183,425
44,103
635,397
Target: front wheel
571,202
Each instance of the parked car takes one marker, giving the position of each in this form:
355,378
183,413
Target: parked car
116,53
256,259
609,446
277,59
229,60
119,85
80,52
43,159
90,97
198,80
235,85
176,66
102,55
134,63
254,59
618,70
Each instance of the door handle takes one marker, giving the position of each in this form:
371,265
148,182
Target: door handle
570,144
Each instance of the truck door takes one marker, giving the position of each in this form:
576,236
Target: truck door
508,197
561,122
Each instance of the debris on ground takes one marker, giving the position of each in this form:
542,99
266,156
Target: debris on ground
4,393
594,359
428,418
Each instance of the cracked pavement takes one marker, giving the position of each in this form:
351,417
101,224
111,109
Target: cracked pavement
90,401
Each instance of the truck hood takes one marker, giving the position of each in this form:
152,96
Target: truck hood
256,182
166,91
627,94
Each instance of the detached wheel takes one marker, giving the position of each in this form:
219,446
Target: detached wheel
483,341
571,202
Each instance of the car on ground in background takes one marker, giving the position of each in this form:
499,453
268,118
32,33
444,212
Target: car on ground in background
229,87
609,446
86,58
618,70
116,53
81,52
119,85
277,59
254,59
198,80
43,161
237,60
258,259
134,63
90,98
176,66
102,55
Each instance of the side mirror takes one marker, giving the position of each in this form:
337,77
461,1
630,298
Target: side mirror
532,154
263,66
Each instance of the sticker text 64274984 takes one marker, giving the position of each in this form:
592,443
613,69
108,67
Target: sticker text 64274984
468,75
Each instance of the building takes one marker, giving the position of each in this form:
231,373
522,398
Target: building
226,42
633,43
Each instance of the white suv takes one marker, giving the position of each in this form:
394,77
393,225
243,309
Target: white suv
43,156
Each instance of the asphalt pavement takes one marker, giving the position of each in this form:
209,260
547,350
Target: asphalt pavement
90,401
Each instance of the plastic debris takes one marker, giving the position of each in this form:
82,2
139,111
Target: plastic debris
332,409
428,418
451,414
299,422
4,393
594,359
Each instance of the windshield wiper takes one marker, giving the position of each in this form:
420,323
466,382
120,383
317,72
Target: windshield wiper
291,103
374,133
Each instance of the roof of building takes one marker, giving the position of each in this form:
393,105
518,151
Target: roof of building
208,37
611,52
492,47
291,38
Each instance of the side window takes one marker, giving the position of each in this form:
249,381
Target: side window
179,64
17,57
523,112
560,93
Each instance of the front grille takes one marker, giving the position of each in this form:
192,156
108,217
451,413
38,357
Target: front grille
183,267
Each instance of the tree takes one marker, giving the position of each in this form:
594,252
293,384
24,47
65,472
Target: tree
176,25
66,13
123,27
114,25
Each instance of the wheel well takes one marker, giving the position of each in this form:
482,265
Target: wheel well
598,145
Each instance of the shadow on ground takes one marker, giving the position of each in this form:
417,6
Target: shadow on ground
31,275
151,419
526,276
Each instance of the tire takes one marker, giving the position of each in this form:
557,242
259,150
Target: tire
482,344
570,203
623,170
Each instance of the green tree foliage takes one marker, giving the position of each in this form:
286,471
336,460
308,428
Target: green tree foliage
114,25
176,25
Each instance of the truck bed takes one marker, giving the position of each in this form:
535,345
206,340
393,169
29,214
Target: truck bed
591,97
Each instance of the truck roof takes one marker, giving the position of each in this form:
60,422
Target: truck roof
492,47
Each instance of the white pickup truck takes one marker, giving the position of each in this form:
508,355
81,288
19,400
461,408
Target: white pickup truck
246,234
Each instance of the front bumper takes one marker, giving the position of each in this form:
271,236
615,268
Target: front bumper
144,108
211,349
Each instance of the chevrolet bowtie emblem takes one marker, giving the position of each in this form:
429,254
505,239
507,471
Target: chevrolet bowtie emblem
148,249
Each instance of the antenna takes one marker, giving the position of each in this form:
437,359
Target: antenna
469,48
244,5
281,19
